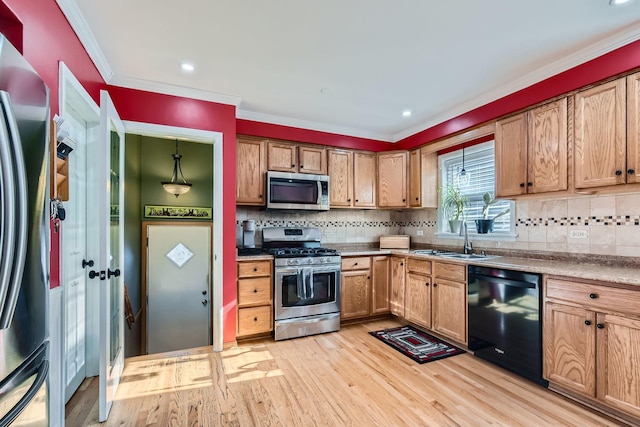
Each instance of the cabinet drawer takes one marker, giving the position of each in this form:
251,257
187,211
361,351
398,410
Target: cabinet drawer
594,296
419,266
254,268
356,263
457,272
254,291
254,320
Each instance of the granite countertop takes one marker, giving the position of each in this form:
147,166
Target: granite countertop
623,270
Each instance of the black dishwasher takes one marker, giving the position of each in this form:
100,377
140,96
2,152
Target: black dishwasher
504,319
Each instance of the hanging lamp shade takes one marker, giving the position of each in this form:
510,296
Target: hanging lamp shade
178,185
463,175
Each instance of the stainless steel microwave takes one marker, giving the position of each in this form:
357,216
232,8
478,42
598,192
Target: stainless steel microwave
297,191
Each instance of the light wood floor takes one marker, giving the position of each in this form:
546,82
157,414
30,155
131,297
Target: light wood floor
347,378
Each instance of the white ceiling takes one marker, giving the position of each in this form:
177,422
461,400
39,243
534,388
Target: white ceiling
347,66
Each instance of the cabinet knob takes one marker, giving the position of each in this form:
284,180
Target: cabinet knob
255,319
529,184
599,325
355,263
522,185
255,291
593,296
293,166
618,172
402,263
301,166
416,199
404,200
587,322
260,196
435,285
368,277
357,200
255,268
427,284
631,171
348,200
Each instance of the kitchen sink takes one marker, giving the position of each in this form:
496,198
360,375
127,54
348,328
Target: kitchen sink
452,255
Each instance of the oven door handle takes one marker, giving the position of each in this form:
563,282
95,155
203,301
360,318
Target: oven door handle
311,284
300,291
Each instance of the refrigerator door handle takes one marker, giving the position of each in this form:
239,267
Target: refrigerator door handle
41,377
21,208
7,204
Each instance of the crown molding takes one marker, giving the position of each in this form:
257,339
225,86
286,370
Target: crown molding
167,89
312,125
580,57
79,25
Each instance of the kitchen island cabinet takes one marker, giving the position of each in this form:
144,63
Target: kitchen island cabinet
591,335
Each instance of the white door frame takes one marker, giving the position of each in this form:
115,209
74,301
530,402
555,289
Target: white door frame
207,137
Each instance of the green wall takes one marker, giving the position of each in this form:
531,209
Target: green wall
157,166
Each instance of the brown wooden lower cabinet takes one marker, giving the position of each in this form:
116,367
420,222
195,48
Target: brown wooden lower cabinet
396,297
364,288
255,301
591,338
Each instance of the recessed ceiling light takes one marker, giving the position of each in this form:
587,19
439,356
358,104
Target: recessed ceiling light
187,67
406,113
617,2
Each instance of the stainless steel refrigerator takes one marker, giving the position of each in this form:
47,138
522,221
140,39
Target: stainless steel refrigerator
24,141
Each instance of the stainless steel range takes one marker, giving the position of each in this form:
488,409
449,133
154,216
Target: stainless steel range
306,282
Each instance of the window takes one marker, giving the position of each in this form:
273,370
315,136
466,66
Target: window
479,164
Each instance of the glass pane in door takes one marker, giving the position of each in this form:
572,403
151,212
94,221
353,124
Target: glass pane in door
114,255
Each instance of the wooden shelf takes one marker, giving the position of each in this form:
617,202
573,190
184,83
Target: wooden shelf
58,169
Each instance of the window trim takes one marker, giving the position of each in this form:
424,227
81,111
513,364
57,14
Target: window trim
441,223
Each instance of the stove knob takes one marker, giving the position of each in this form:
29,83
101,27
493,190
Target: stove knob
321,260
310,261
292,261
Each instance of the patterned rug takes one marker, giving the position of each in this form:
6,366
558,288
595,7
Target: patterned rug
416,344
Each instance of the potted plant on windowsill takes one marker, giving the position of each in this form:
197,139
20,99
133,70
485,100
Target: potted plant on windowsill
485,225
453,203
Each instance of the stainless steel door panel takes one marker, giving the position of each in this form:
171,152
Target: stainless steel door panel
179,308
30,105
282,312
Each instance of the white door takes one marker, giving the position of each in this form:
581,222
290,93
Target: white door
111,258
178,287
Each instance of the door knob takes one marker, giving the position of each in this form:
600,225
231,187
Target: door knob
205,302
115,272
86,263
204,292
93,274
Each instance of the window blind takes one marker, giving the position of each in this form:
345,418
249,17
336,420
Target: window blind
479,164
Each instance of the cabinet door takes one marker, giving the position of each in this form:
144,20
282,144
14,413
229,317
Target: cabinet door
600,135
250,171
354,294
417,297
511,156
633,128
570,347
619,362
429,180
364,180
341,178
449,309
282,157
415,178
396,299
392,180
547,143
312,160
380,285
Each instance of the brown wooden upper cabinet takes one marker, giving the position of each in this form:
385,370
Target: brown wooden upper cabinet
392,179
531,151
600,146
352,178
251,164
415,178
294,158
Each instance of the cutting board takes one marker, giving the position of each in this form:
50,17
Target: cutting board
398,241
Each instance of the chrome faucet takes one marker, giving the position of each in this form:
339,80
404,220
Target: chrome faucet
467,246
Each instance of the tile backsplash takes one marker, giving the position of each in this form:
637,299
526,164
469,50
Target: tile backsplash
611,224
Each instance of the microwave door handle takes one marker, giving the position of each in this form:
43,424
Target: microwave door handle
319,184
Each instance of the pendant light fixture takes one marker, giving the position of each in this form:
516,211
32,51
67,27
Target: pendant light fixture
463,175
174,186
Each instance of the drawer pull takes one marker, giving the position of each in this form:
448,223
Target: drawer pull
255,319
599,326
355,263
255,291
255,268
593,296
587,322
